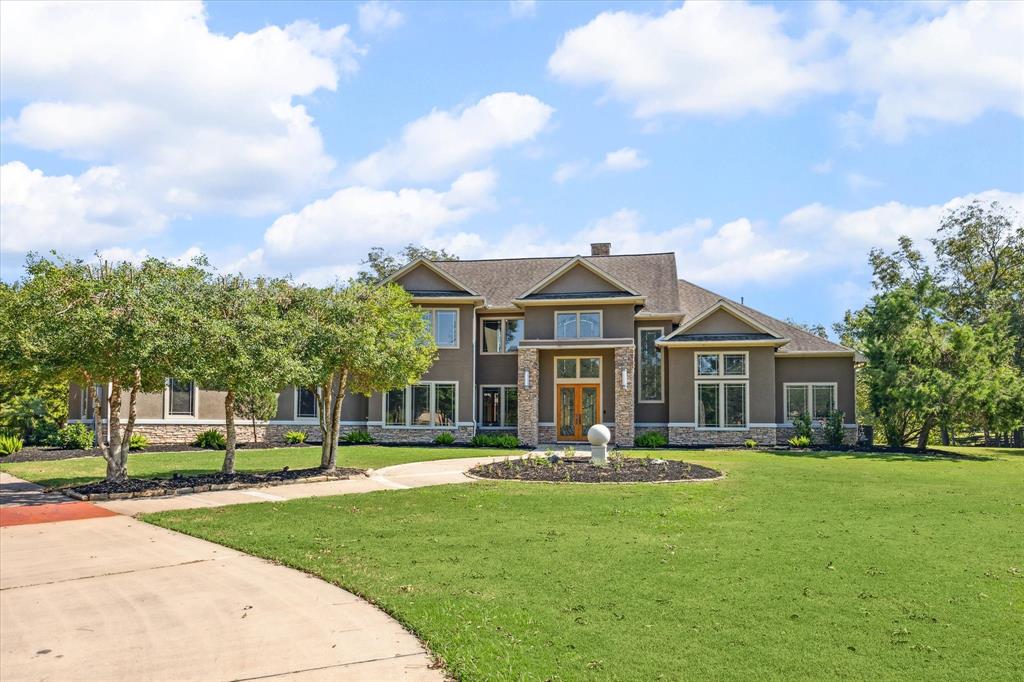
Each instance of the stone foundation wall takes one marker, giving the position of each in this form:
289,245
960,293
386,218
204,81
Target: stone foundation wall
185,434
687,435
547,435
463,434
817,435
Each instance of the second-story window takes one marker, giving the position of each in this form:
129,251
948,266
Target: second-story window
581,325
501,336
443,326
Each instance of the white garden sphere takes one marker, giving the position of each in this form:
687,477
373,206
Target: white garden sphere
599,435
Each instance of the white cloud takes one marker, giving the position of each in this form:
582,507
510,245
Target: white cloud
39,212
822,167
568,170
119,254
625,159
343,226
949,63
522,8
445,143
194,119
375,16
620,160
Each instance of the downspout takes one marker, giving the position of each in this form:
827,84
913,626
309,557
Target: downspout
110,389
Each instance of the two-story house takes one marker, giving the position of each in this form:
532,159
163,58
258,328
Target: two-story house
546,347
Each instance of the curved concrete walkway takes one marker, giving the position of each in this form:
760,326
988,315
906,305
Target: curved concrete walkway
113,598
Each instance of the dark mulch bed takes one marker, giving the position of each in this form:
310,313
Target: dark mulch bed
43,453
580,470
181,482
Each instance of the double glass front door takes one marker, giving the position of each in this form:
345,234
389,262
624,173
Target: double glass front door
579,407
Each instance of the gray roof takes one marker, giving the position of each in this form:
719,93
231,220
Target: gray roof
739,336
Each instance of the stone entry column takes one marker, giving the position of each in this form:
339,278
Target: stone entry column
529,402
625,425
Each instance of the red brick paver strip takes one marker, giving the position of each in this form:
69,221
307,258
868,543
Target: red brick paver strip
49,513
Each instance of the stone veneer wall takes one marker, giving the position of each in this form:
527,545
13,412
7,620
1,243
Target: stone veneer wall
817,435
547,435
266,433
764,435
625,359
528,397
463,434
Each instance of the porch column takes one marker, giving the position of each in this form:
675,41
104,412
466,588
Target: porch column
529,392
625,362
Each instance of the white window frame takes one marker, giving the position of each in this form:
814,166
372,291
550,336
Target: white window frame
721,382
809,388
295,406
577,313
167,402
433,325
408,407
639,360
501,409
721,365
504,322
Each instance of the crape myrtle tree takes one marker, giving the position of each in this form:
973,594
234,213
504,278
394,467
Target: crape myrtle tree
359,337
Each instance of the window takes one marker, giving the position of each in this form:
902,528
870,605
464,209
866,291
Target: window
305,404
721,364
584,325
577,368
429,404
721,405
817,400
182,398
499,406
501,336
651,368
443,326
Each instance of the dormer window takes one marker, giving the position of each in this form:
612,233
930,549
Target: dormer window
578,325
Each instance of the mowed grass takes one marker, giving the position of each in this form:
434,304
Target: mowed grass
164,464
817,566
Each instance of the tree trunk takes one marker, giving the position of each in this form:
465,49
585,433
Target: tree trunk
945,434
229,425
129,429
254,430
116,469
329,454
324,407
922,437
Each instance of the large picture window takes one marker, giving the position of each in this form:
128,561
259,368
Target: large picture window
652,373
181,397
721,405
578,325
305,404
499,407
443,326
501,335
428,404
814,399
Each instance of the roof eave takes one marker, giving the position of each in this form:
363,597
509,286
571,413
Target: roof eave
601,300
666,342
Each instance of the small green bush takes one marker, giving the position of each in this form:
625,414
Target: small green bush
138,442
494,440
211,439
800,441
295,437
74,437
650,439
10,443
802,426
357,438
833,430
444,438
750,443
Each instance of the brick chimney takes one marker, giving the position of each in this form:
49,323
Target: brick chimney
601,249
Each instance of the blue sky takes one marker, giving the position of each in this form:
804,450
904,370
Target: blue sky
769,146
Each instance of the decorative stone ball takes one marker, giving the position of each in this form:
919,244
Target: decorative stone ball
599,434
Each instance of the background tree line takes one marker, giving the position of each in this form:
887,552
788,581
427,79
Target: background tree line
129,326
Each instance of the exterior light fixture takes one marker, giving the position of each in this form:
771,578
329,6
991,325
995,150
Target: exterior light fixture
625,378
526,378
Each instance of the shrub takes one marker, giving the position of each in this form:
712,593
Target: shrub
10,443
74,437
295,437
211,439
650,439
138,442
800,441
494,440
444,438
802,426
833,430
358,438
750,443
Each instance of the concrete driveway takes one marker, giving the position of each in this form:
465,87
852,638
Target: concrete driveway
111,598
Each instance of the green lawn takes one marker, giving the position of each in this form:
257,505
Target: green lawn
163,464
792,567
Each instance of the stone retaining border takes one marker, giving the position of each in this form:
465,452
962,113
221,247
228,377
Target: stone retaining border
170,492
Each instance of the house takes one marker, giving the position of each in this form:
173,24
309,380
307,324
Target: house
546,347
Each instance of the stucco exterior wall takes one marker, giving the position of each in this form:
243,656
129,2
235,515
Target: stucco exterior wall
721,322
617,319
425,279
494,369
578,279
761,383
809,370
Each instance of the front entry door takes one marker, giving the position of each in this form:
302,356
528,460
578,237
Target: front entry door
579,406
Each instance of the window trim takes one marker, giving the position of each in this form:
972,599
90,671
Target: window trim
639,360
577,313
503,321
721,365
599,379
433,325
721,382
194,414
809,386
408,408
501,411
295,405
